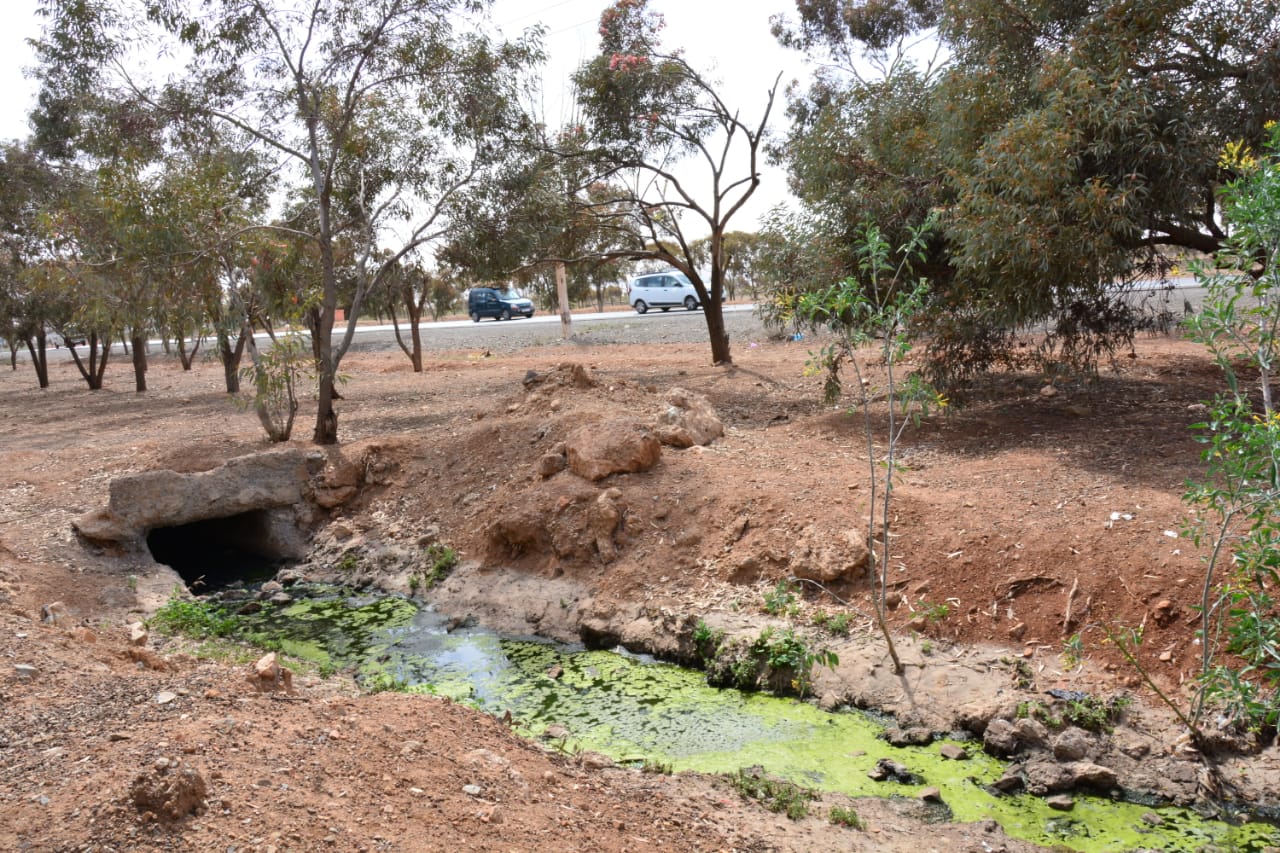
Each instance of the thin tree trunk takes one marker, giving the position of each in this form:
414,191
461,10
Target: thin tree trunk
139,363
562,299
39,358
230,358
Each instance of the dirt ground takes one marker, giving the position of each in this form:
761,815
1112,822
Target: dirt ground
1023,520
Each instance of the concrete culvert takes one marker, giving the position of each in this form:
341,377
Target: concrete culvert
214,552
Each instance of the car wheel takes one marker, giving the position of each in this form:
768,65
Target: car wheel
641,307
475,318
690,303
506,313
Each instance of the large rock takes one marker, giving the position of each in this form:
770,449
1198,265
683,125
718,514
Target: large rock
825,557
168,791
687,420
139,503
614,447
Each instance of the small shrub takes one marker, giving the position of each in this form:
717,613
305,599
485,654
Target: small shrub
842,816
349,562
782,599
439,562
776,795
658,767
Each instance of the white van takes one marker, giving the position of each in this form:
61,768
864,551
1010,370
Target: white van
663,290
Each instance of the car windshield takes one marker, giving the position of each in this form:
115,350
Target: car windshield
510,294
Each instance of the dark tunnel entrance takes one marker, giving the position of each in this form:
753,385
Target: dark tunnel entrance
215,552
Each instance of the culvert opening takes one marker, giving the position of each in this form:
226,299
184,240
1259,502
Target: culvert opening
216,552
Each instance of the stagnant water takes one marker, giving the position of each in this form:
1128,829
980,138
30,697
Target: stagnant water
635,709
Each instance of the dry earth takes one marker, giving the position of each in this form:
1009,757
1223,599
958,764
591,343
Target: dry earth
1032,518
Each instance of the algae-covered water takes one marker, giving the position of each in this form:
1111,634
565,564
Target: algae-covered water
636,710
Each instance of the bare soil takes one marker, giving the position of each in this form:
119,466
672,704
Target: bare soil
1020,522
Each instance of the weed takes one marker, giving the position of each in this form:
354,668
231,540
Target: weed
933,612
438,562
782,599
414,582
1072,651
926,648
841,816
1024,677
837,623
193,618
776,795
349,562
132,581
382,682
1093,714
1038,711
653,766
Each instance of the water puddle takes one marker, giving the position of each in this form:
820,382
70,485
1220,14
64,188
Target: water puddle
636,710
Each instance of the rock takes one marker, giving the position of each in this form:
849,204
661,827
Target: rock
594,760
555,671
613,447
164,697
830,701
1072,744
268,676
55,613
169,792
138,634
1017,632
931,795
281,598
603,520
551,464
276,481
974,716
269,589
472,790
555,731
1089,775
917,736
1135,749
953,752
25,671
1012,780
84,635
1000,738
337,484
688,420
1031,732
1152,819
1060,802
1048,392
826,557
887,769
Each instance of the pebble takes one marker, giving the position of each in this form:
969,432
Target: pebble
1060,802
25,671
164,697
471,790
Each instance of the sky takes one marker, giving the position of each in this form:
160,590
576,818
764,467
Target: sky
728,38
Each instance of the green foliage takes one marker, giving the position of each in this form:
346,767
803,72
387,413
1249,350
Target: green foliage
349,561
275,374
659,768
877,308
1238,502
438,562
845,816
384,682
1072,651
1089,712
933,612
776,795
783,598
193,618
837,623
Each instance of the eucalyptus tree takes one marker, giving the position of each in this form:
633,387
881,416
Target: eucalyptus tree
645,108
383,112
1067,145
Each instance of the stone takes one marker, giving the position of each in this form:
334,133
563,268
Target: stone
25,671
1089,775
555,731
825,557
271,480
1048,392
1000,738
164,697
55,613
688,420
603,520
338,483
953,752
269,676
551,464
931,795
623,446
917,736
1152,819
1072,744
887,769
138,634
1135,749
594,760
1012,780
1060,802
1031,732
170,792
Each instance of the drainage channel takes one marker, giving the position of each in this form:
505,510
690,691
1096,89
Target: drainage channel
637,710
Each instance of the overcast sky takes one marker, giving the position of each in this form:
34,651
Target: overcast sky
730,38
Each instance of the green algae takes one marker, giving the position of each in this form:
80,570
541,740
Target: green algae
636,710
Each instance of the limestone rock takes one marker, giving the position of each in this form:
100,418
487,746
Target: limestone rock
613,447
1072,744
269,676
169,791
688,420
337,484
826,557
55,613
138,634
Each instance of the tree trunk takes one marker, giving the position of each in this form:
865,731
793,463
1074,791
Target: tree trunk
95,370
562,299
230,358
415,330
139,347
39,358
